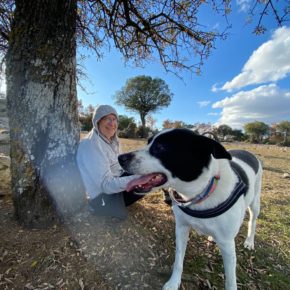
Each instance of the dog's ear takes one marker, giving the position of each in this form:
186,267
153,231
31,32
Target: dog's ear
219,151
215,148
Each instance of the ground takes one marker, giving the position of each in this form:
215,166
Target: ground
90,253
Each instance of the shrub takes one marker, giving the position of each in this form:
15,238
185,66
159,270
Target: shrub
129,132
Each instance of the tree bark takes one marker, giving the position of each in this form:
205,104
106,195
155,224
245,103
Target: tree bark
42,111
143,123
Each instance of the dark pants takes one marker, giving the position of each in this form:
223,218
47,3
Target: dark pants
115,204
131,197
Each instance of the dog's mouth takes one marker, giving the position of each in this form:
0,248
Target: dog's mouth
146,182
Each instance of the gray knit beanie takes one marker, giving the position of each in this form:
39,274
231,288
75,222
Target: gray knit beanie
102,111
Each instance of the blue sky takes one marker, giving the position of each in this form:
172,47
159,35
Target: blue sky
246,78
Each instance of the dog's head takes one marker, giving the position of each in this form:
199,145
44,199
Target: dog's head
176,154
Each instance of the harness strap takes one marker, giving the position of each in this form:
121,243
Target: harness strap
241,188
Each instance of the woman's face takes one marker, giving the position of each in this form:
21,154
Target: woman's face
108,126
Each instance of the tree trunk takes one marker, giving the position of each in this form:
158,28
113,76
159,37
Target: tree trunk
285,137
42,110
143,122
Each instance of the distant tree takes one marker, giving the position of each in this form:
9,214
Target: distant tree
209,134
284,128
223,131
90,109
150,122
188,126
80,107
201,128
144,95
275,135
176,124
86,122
129,132
238,135
85,116
273,129
125,121
179,124
256,130
167,124
143,132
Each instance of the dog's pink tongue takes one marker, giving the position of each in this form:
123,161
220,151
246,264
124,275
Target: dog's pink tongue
139,181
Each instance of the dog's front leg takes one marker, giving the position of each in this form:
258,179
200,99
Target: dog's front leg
229,258
182,232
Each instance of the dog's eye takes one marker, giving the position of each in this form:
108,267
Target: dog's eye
157,148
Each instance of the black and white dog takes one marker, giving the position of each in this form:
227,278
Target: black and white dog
211,188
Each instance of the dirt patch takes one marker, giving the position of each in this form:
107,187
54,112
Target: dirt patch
92,253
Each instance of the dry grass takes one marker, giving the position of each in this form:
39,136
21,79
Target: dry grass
92,253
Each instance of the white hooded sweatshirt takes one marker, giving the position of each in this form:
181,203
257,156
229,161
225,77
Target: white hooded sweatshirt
97,159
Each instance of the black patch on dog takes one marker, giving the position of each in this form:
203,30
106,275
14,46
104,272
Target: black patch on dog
242,174
185,153
246,157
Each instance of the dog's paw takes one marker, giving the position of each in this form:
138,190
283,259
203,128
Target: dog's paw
170,285
249,244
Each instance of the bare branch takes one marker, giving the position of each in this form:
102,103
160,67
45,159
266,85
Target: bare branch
268,7
6,16
147,29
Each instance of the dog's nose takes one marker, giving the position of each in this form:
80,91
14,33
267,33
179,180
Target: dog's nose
125,158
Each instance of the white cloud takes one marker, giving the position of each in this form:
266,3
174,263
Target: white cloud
268,104
215,88
244,5
269,63
203,103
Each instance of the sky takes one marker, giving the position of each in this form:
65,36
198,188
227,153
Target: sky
246,78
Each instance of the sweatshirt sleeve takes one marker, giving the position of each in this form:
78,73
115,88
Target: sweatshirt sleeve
113,184
97,173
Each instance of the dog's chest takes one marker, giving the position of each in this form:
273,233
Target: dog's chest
201,230
201,226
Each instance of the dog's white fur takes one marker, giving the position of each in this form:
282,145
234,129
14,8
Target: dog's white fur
223,228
